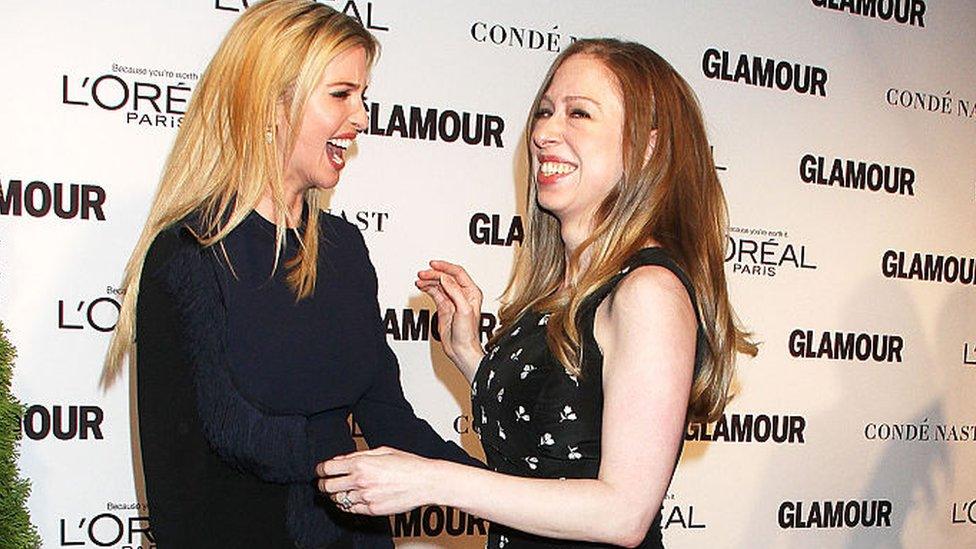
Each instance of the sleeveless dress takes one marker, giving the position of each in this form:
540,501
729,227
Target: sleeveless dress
537,420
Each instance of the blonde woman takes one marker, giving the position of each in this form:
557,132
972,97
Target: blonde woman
255,314
617,328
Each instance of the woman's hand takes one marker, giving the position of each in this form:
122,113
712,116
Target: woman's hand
383,481
458,301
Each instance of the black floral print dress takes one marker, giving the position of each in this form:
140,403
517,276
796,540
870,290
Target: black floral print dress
535,419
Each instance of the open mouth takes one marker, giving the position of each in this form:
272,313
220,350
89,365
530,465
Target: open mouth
551,169
335,150
561,168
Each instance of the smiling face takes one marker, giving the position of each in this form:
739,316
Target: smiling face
334,113
577,139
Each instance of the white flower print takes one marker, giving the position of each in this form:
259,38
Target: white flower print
517,354
501,394
532,462
502,540
521,414
573,378
567,414
491,355
491,376
544,320
526,370
625,270
474,388
573,452
484,416
516,331
546,440
501,432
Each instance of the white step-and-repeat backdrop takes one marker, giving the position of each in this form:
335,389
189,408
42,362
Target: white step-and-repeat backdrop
850,252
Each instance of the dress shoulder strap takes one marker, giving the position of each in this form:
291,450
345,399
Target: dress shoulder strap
645,256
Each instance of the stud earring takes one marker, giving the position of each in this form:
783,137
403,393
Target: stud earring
268,135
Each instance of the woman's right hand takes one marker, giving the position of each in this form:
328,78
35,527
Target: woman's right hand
458,301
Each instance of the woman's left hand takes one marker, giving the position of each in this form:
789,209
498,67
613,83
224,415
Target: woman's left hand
383,481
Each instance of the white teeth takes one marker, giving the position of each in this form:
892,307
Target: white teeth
549,168
341,143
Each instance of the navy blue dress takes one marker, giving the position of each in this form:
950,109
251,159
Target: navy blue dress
537,420
242,389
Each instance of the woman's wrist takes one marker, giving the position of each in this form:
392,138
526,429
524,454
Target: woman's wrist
466,358
472,356
441,481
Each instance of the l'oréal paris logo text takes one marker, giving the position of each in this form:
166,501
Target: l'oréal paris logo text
100,314
764,252
364,12
964,513
674,515
110,529
969,354
148,97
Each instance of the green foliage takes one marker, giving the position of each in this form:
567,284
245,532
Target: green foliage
16,530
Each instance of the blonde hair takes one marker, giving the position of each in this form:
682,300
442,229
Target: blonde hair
221,162
675,197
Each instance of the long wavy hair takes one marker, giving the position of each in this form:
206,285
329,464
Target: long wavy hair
673,196
225,156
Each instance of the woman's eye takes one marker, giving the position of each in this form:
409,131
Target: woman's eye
542,113
340,94
578,113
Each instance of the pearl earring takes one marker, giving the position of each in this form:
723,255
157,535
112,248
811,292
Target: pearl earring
268,135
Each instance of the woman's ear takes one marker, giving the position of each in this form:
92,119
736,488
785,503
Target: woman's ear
282,107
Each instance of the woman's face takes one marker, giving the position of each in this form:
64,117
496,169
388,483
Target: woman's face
333,114
577,139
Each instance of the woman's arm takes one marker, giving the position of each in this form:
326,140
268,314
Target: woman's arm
458,301
181,318
383,413
387,419
646,331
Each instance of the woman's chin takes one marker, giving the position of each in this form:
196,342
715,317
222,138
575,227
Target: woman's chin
325,183
552,203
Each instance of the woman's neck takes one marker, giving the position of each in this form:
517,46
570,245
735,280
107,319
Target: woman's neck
573,233
293,207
